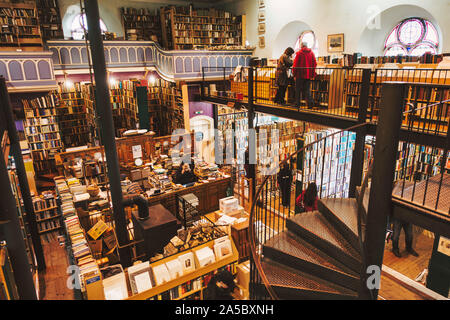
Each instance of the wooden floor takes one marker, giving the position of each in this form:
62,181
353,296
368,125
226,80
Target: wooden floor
52,282
392,290
409,265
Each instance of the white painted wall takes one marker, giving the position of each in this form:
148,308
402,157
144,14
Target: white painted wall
287,19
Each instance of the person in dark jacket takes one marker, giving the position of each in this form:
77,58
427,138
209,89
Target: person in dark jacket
185,175
304,69
284,181
308,198
281,75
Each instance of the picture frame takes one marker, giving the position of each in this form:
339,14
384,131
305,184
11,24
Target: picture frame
262,41
335,42
187,262
261,27
223,249
141,278
262,15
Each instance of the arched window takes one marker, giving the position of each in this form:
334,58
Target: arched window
413,37
310,38
78,25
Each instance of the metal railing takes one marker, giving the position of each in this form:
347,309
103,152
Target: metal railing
414,185
422,171
270,208
339,92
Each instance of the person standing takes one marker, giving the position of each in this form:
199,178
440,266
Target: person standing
281,75
304,69
284,181
407,227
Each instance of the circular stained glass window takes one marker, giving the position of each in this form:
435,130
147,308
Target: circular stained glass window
414,37
410,32
310,38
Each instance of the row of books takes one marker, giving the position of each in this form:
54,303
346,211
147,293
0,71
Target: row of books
48,225
328,163
44,202
78,243
50,144
350,60
43,136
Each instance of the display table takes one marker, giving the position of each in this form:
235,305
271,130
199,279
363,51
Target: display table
208,195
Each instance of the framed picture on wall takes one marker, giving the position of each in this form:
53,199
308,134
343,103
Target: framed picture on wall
262,3
261,15
335,42
261,27
262,42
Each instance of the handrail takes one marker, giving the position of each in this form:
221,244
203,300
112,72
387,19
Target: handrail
360,200
255,256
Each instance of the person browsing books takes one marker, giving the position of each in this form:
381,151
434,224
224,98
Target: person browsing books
281,75
304,69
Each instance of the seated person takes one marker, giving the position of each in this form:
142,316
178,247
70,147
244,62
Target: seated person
185,175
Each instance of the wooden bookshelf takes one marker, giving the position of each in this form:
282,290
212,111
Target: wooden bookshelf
141,24
75,116
42,132
19,27
47,216
198,273
49,19
123,101
187,28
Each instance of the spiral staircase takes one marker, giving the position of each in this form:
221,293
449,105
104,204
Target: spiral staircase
318,255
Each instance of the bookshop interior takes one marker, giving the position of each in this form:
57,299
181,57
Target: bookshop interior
224,150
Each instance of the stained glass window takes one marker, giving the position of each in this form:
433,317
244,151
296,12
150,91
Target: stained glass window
310,38
414,37
78,25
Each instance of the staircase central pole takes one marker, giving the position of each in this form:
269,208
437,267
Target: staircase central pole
103,104
385,155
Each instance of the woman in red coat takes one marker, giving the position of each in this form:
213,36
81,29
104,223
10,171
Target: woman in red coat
308,198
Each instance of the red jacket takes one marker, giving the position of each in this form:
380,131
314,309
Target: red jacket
305,58
299,202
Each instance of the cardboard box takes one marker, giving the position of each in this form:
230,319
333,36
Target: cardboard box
228,204
238,213
243,274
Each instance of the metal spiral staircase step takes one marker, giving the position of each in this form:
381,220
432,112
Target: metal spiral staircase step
292,251
343,214
316,230
292,284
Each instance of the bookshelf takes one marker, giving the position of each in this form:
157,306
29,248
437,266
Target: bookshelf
187,28
196,280
47,216
49,19
123,101
141,24
328,163
42,132
416,162
15,186
75,115
165,107
19,27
